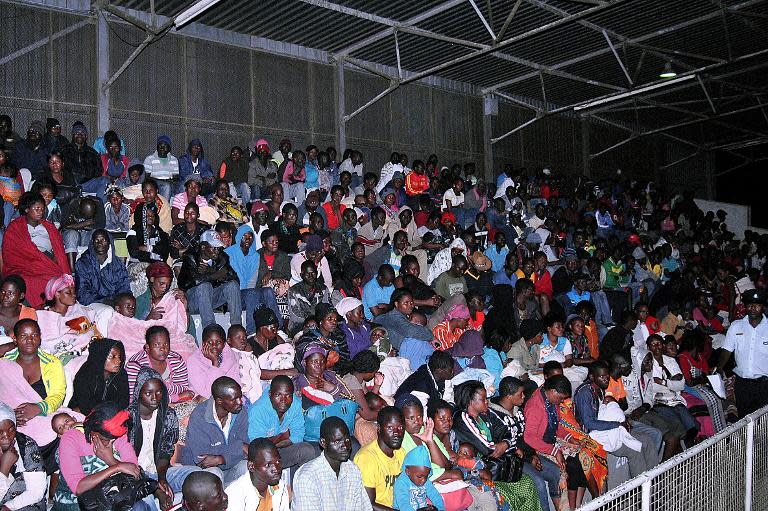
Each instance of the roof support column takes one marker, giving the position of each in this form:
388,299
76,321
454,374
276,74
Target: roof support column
490,108
341,123
586,160
102,72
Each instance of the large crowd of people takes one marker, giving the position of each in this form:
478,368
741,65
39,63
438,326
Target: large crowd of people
290,330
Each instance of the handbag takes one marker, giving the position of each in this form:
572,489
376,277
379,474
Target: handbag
315,415
118,493
508,468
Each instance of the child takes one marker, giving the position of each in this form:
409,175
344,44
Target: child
250,371
118,214
125,304
63,422
53,210
475,473
417,318
413,489
497,253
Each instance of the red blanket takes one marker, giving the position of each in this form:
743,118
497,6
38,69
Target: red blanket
21,257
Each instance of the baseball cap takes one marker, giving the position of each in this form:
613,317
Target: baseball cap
212,238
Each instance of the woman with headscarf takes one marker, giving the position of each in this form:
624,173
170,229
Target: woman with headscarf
316,384
33,248
356,330
448,331
244,259
23,485
101,378
443,259
65,325
90,455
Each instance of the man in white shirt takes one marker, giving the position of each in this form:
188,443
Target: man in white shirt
331,482
162,166
264,481
388,171
747,341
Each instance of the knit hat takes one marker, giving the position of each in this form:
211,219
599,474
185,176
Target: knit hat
79,127
530,328
192,177
569,254
264,316
51,123
166,139
36,126
159,269
347,305
262,143
314,243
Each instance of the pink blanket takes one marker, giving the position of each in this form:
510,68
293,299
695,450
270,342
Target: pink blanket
57,337
14,390
131,331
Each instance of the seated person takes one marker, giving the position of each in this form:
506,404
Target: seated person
452,281
316,384
33,248
146,241
314,252
190,195
33,380
318,489
210,281
91,455
157,354
263,487
76,229
213,360
117,213
430,378
381,461
65,325
207,445
22,474
99,273
186,234
287,229
357,331
413,489
101,378
228,207
305,296
448,331
278,417
14,289
378,291
158,202
248,363
153,432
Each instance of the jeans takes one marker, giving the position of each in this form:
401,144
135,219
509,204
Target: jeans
231,474
602,308
416,351
97,185
203,298
548,476
248,193
266,297
293,192
678,413
654,435
165,188
76,238
175,477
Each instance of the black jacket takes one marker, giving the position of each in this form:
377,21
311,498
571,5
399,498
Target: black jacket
167,422
84,164
90,388
218,273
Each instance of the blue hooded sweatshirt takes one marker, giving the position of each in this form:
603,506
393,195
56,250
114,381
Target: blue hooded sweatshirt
264,423
408,496
246,266
203,166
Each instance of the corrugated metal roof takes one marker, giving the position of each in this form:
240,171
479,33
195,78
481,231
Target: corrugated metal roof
646,34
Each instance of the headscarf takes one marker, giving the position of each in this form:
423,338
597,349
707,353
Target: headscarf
264,316
448,215
347,305
443,260
56,284
457,311
7,413
246,266
159,269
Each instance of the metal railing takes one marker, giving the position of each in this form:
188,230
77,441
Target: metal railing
727,472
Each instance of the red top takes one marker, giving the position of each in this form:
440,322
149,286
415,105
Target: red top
536,421
686,362
333,221
543,284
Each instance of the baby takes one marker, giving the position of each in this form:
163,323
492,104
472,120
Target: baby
125,304
469,464
417,318
413,489
63,422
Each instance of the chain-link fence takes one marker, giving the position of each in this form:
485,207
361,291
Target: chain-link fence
727,472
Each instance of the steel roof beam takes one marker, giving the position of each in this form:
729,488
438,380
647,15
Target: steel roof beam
450,4
482,19
507,21
631,41
44,41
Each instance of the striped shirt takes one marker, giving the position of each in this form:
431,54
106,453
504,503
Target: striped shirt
444,337
316,488
177,380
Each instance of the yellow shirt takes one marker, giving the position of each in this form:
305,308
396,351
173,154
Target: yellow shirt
379,471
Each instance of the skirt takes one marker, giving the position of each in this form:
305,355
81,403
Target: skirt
522,495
